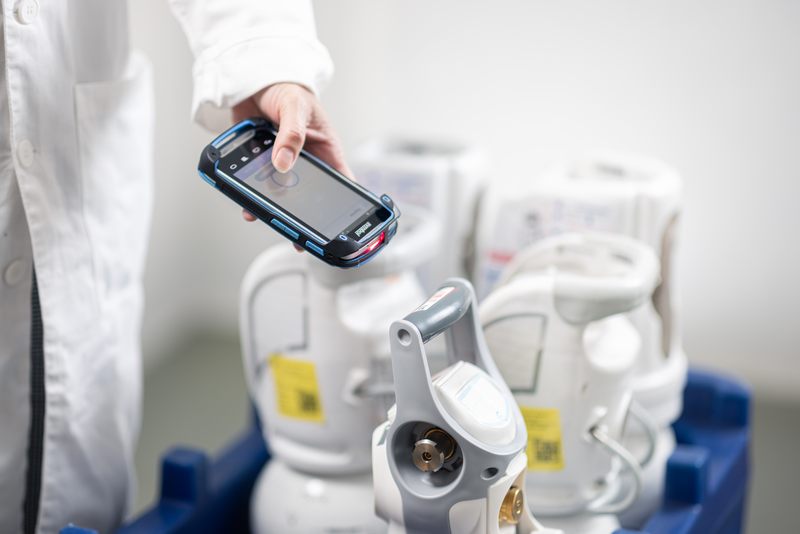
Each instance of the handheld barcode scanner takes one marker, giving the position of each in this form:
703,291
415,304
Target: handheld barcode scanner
313,205
555,332
315,355
451,457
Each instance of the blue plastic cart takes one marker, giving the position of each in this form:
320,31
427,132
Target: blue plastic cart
706,479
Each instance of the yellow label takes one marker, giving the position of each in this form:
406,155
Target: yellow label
296,389
544,439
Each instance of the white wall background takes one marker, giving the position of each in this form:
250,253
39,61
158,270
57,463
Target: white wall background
713,88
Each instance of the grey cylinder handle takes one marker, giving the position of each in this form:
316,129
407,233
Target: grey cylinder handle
451,301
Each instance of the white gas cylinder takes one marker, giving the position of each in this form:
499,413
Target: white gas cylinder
555,328
445,177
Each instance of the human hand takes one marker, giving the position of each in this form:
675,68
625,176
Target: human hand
302,123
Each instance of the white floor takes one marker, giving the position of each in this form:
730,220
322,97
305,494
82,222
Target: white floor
198,398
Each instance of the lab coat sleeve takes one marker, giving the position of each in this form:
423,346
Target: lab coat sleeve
242,46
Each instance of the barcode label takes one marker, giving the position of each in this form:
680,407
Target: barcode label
308,402
547,451
544,439
296,389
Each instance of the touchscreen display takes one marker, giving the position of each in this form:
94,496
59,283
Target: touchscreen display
308,193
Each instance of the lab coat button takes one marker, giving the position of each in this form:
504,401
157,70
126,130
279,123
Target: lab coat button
16,272
27,11
25,153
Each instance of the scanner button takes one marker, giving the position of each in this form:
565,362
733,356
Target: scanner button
277,224
285,229
314,247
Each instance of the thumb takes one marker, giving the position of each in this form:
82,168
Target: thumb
293,119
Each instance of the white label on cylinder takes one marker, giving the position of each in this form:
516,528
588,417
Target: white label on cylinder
439,295
485,402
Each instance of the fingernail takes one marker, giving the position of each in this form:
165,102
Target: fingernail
283,161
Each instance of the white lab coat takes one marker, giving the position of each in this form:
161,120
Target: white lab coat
76,125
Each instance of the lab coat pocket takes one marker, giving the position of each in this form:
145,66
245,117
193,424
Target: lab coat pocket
114,123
